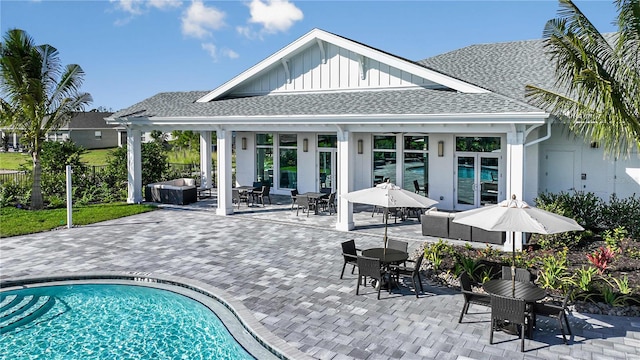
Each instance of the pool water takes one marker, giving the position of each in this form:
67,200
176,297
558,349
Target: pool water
107,321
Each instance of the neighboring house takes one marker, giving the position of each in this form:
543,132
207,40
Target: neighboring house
86,129
329,112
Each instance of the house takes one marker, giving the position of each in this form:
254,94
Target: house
86,129
329,112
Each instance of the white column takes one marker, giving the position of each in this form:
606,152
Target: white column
225,205
15,141
205,160
515,177
134,166
345,179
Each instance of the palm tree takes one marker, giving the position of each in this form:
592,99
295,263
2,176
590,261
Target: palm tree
38,94
598,77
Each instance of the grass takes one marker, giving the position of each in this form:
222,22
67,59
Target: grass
95,157
21,222
13,160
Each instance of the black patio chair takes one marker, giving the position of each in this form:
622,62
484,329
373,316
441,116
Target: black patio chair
557,309
294,194
418,188
413,271
329,203
397,245
350,255
522,275
471,297
262,194
512,310
370,267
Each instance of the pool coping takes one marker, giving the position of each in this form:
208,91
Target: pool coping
259,332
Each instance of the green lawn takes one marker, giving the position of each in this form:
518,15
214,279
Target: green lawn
95,157
21,222
13,160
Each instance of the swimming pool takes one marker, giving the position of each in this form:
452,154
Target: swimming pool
116,321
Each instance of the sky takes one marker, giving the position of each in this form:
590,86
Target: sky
133,49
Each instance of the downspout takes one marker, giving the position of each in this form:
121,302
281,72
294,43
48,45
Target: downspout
546,137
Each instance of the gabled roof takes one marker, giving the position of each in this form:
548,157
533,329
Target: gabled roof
315,38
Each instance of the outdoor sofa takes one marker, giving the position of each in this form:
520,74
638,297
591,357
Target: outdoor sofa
178,191
440,224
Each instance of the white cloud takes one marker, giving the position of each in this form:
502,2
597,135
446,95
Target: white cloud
198,20
211,49
137,7
230,53
274,15
215,54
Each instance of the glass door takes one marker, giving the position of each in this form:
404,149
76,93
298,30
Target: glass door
327,170
465,182
477,179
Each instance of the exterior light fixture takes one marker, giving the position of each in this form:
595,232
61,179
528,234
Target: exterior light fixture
244,143
440,148
305,145
360,146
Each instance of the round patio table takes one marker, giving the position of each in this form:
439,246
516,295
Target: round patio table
390,256
526,291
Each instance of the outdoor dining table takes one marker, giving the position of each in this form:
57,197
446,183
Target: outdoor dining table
387,256
522,290
315,196
246,188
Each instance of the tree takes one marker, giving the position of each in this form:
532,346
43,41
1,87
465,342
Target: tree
39,95
598,77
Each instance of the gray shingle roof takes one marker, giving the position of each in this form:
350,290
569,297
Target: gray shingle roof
89,120
393,102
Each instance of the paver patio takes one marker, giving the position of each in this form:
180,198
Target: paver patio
285,269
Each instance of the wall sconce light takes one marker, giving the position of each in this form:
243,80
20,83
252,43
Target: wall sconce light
440,148
244,143
360,146
305,145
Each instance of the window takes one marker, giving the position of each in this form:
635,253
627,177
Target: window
264,158
98,135
288,161
327,141
416,162
384,158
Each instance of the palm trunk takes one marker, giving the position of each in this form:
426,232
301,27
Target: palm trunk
36,190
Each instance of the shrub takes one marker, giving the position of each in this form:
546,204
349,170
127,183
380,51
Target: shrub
553,270
601,258
622,213
14,193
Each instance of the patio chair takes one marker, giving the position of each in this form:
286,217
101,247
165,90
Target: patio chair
350,255
418,188
370,267
512,310
304,204
262,194
397,245
413,271
471,297
237,197
329,203
556,310
522,275
294,193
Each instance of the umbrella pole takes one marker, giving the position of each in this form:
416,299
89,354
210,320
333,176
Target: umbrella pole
386,221
513,264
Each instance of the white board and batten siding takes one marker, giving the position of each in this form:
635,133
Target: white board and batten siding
341,71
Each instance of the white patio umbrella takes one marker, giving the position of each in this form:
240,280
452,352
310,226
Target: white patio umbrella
388,195
516,215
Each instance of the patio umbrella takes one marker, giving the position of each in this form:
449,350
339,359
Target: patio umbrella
516,215
388,195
